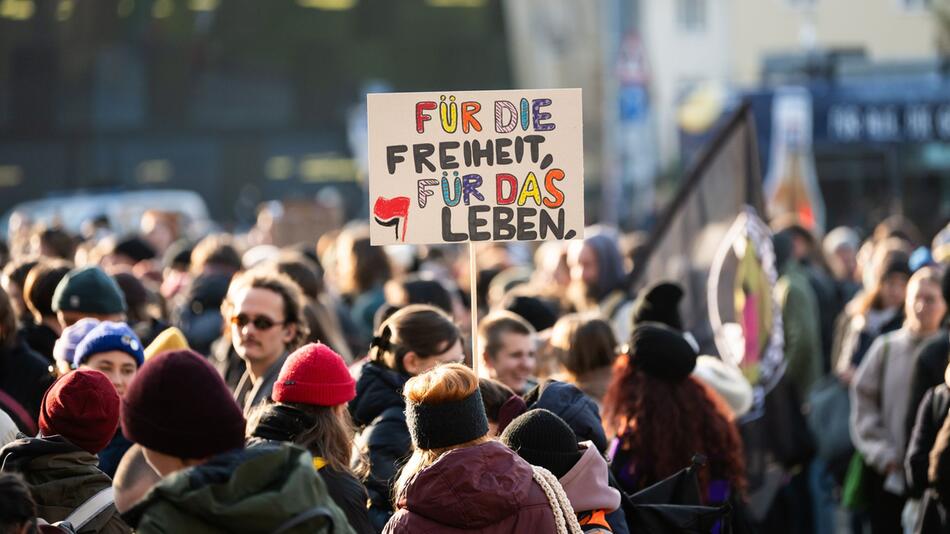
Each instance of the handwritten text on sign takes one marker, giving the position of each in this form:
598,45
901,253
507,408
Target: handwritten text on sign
475,166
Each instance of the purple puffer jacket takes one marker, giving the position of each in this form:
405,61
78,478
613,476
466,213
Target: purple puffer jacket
486,489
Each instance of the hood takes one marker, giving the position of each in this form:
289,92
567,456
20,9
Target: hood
471,488
377,389
248,490
208,291
30,454
587,484
578,410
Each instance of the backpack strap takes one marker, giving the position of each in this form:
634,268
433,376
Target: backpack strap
90,509
307,515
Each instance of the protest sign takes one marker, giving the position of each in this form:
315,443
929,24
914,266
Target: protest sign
466,166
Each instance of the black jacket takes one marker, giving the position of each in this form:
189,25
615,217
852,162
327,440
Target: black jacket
379,410
25,376
929,442
578,410
930,362
40,338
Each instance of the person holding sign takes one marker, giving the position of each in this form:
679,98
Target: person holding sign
412,341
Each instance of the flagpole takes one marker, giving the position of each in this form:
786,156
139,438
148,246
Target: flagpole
473,292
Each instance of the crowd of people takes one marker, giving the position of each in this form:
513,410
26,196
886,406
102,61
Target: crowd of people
153,384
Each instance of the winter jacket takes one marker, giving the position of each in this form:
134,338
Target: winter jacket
41,338
379,409
250,394
486,489
110,457
930,417
282,423
254,490
61,477
569,403
800,322
25,376
880,397
587,485
860,331
935,508
930,362
226,360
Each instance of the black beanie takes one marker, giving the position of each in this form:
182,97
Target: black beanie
660,304
436,426
661,352
543,439
134,247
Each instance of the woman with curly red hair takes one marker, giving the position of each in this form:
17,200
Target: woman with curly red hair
662,417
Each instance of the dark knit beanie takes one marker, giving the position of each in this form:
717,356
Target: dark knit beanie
135,248
661,352
134,291
88,290
178,404
543,439
82,407
896,263
436,426
660,304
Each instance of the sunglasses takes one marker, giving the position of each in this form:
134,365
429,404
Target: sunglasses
260,322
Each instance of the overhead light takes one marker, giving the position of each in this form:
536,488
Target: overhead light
203,5
328,5
17,9
456,3
162,9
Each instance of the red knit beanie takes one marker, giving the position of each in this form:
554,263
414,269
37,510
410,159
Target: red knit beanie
82,407
179,405
314,374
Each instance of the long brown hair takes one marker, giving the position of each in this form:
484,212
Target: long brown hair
583,343
331,437
663,424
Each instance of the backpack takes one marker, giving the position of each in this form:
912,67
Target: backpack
83,514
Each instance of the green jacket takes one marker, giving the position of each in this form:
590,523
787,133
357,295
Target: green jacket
801,327
61,477
255,490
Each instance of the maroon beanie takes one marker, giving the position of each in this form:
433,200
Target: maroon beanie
177,404
314,374
82,407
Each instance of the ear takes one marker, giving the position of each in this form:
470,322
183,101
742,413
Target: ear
411,363
290,331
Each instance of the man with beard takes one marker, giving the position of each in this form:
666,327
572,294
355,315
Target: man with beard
263,309
597,280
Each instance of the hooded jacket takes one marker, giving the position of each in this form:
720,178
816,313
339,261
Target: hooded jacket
486,489
380,410
579,411
587,485
251,490
61,477
25,376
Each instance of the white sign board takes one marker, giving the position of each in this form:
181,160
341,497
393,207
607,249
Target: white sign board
452,167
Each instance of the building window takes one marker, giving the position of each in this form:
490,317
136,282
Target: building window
691,15
914,5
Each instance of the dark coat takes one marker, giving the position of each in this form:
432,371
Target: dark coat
379,410
199,316
40,338
351,497
110,457
930,361
251,490
486,489
61,477
569,403
934,428
25,376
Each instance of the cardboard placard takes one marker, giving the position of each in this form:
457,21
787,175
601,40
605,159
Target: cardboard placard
452,167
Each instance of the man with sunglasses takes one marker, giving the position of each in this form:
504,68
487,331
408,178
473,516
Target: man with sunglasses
263,309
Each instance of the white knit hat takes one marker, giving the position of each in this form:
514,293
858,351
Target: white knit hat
726,380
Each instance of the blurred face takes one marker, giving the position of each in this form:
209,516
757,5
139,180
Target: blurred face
69,318
117,365
584,269
416,365
847,260
514,363
894,290
258,331
925,306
